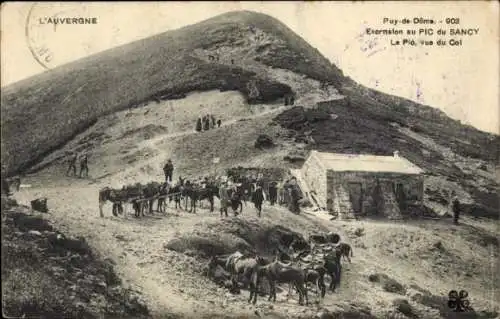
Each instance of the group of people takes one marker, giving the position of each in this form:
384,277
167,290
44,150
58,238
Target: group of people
283,193
83,165
207,122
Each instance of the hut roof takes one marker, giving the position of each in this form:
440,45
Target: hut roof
366,163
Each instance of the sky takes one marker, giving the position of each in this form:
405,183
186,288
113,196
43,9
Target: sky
461,80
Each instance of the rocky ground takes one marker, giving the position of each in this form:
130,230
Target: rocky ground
47,274
163,258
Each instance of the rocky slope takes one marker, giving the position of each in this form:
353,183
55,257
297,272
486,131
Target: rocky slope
46,274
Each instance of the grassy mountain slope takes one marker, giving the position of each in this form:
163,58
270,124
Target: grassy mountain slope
42,112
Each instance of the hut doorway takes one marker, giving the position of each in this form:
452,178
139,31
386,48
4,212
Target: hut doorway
356,197
399,191
378,199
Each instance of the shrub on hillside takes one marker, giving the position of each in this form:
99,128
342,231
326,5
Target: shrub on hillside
264,141
391,285
404,307
388,284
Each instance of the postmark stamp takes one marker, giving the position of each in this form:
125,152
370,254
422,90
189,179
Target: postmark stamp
46,22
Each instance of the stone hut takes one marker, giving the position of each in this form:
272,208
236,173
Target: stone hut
363,185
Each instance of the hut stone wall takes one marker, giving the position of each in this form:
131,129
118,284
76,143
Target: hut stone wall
314,174
351,194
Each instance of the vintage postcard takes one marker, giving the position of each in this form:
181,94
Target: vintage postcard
250,159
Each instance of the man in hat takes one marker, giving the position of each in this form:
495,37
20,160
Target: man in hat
257,199
168,170
294,199
206,123
212,118
199,125
224,198
273,192
455,208
84,161
5,183
72,164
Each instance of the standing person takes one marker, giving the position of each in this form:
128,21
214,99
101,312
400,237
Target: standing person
257,199
219,122
286,193
84,165
5,182
203,120
273,193
235,199
224,199
72,164
168,169
199,126
455,208
294,197
206,123
212,117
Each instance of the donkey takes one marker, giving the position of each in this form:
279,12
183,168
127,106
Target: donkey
277,272
115,196
196,193
150,191
344,250
162,192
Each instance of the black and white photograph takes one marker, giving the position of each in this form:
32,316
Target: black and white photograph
253,159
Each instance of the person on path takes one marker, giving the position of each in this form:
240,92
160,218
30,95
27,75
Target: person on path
235,199
199,126
206,124
213,120
72,165
273,192
224,199
219,122
294,199
84,161
257,199
5,187
455,208
168,170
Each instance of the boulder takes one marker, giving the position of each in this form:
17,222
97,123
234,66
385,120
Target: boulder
264,141
294,158
40,205
324,314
